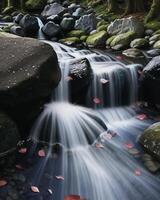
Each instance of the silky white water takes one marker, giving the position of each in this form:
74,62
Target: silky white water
92,159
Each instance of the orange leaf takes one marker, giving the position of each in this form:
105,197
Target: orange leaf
3,183
99,145
35,189
128,145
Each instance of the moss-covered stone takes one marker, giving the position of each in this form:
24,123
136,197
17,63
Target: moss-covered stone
154,25
123,39
35,4
139,43
157,45
97,39
102,22
76,33
8,10
150,140
83,38
70,41
7,18
102,28
156,32
109,40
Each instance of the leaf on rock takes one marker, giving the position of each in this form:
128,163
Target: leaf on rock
3,182
41,153
22,150
142,117
60,178
35,189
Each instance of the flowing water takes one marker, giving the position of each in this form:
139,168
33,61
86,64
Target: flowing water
87,149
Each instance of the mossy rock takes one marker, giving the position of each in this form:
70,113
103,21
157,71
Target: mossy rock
109,40
102,22
76,33
154,25
8,10
35,4
102,28
70,41
157,45
7,18
156,32
83,38
139,43
97,39
123,39
150,140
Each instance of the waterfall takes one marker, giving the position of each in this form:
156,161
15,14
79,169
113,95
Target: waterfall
85,148
41,35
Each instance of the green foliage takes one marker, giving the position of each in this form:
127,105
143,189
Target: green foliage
154,25
35,4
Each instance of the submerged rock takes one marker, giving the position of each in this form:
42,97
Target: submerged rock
97,39
150,140
29,73
124,25
139,43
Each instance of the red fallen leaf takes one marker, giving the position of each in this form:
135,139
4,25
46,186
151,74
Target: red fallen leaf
137,172
60,178
128,145
22,150
72,197
104,81
19,167
96,100
68,78
142,117
119,57
41,153
99,145
50,191
3,183
35,189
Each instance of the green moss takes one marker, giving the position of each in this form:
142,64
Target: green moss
123,39
76,33
102,28
109,40
97,39
156,32
35,4
8,10
70,40
83,38
102,22
154,25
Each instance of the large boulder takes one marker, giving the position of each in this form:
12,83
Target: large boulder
29,24
150,82
139,43
150,140
29,72
97,39
53,9
124,25
51,29
67,24
86,23
17,30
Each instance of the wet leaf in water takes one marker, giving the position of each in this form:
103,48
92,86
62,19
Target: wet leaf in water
35,189
119,57
104,81
41,153
60,178
72,197
50,191
129,145
99,145
142,117
96,100
3,182
22,150
137,172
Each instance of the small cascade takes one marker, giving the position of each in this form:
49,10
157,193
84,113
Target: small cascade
41,35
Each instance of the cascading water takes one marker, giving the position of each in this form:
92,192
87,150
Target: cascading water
88,150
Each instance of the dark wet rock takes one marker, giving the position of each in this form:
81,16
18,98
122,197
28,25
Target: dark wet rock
65,3
86,23
157,45
81,73
18,18
72,8
149,32
133,53
54,18
78,12
29,24
51,29
124,25
67,24
153,52
139,43
67,15
150,82
9,135
150,140
29,72
97,39
53,9
17,30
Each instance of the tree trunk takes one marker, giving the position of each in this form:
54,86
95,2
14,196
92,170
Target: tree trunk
112,5
154,11
133,6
